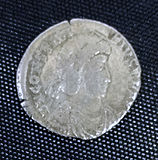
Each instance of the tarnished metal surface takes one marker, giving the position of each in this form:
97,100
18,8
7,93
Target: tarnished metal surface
78,79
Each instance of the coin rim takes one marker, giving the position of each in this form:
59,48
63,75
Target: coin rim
23,66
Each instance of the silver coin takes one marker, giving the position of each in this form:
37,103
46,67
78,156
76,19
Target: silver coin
78,78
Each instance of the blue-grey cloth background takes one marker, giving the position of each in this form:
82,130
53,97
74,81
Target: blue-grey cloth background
134,138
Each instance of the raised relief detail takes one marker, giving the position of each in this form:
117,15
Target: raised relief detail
81,81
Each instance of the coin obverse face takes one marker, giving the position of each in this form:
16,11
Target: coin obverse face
78,78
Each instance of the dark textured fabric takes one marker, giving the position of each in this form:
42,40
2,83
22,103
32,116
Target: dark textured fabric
135,136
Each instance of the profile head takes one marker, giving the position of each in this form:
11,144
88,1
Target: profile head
92,74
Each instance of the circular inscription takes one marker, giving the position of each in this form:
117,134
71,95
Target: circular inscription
78,79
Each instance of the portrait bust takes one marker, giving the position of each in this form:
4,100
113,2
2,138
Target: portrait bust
78,78
78,87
